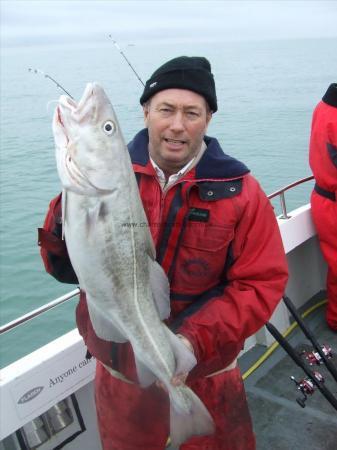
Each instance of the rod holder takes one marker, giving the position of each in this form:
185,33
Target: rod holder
35,433
59,416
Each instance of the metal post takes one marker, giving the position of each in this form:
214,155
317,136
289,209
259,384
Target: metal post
283,207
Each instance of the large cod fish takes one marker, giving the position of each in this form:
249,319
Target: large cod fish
113,254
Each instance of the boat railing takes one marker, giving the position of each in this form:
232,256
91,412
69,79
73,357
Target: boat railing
38,311
47,307
281,192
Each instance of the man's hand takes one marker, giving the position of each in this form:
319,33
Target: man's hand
179,379
186,342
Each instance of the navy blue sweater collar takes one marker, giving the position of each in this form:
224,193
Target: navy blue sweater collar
213,164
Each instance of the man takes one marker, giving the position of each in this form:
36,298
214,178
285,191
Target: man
323,163
218,241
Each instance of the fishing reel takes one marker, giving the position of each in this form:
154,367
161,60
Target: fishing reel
307,387
314,358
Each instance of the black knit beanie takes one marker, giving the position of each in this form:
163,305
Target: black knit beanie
185,72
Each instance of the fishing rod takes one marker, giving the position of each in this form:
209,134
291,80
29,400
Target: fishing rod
126,59
309,334
46,75
312,376
38,71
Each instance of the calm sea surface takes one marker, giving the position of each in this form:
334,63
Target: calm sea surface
266,93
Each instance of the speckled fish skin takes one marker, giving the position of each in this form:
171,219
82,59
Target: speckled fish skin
111,250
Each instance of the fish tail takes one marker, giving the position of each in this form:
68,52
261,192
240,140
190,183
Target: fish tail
197,421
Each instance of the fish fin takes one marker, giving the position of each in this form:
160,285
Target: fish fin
196,422
151,247
103,327
160,288
145,376
91,217
185,359
63,210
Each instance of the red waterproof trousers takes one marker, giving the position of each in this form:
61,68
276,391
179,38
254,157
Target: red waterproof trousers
126,407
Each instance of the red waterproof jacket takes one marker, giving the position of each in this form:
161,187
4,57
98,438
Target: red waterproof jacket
218,241
323,141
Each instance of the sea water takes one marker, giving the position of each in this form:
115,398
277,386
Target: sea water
266,94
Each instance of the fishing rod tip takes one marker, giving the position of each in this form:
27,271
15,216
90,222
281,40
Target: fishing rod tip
114,41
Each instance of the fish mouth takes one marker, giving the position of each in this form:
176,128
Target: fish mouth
60,121
70,113
59,116
60,129
89,91
85,110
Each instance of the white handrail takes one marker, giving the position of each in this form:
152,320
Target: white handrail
281,192
36,312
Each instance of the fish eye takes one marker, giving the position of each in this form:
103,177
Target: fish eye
109,127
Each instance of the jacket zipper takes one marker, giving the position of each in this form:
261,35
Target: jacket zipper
162,200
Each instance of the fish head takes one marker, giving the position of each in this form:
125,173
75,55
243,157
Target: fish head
89,142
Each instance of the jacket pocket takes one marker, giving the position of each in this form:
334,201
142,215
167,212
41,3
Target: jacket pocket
209,238
201,257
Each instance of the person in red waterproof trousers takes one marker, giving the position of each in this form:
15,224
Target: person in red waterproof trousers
217,239
323,163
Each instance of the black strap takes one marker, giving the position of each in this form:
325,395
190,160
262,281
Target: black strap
138,177
175,206
196,306
88,355
324,193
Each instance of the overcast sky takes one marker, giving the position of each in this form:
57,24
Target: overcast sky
44,21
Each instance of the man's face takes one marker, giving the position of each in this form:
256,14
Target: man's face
177,121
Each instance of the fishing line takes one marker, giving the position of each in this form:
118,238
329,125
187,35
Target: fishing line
38,71
126,59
